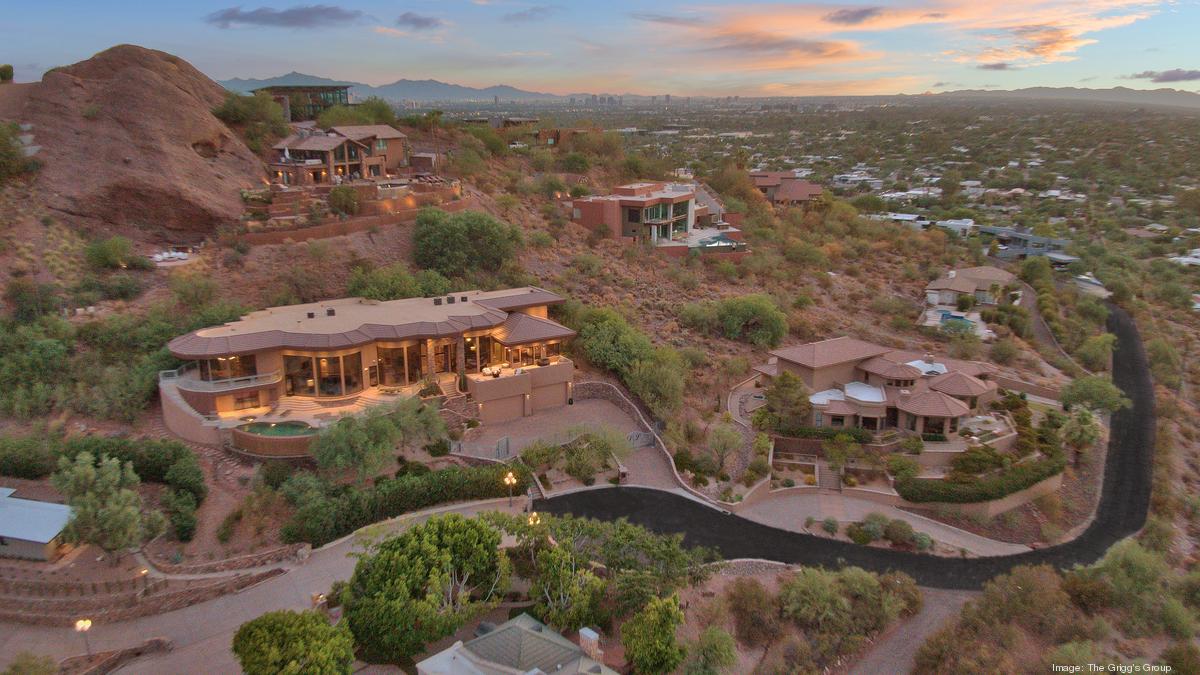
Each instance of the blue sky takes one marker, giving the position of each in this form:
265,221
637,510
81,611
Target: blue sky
617,46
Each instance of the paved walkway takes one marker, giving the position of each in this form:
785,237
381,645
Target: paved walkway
896,650
202,633
788,511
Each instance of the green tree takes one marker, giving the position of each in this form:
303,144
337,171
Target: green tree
6,72
1080,432
429,580
649,637
1096,351
659,381
1096,392
258,116
713,652
842,448
343,199
723,440
452,243
27,299
787,399
366,441
111,253
105,507
293,643
566,591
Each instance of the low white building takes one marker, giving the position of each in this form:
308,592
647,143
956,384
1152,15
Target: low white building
31,529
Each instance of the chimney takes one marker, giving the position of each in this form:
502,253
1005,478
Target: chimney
589,642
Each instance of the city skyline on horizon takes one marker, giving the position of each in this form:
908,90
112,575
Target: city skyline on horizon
621,47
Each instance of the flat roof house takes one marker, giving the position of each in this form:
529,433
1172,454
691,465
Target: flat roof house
680,216
981,283
869,386
1016,244
31,529
315,361
305,101
520,646
785,187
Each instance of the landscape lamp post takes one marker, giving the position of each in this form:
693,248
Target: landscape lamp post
510,480
534,519
83,626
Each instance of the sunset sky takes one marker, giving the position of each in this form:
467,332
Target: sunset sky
614,46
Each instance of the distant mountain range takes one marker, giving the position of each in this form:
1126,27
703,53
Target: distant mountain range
400,90
434,90
1171,97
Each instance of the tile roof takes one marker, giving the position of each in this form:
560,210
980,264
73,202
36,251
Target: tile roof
890,369
931,403
519,329
830,352
958,383
797,191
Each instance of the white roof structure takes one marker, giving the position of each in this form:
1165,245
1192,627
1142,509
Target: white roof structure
30,520
928,367
823,397
864,392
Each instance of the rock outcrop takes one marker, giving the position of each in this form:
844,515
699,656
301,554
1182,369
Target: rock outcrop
128,139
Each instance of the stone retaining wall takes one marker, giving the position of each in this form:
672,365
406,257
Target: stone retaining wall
349,226
292,553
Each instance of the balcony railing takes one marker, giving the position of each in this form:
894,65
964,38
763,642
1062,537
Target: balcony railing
184,378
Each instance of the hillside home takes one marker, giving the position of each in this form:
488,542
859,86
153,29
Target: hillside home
785,187
984,284
680,216
872,387
1016,244
963,227
520,646
352,352
31,529
380,140
305,102
310,157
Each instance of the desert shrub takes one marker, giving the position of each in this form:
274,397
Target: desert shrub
258,116
830,525
922,541
343,199
755,614
899,532
181,513
274,473
750,318
6,72
1004,351
30,457
903,467
1010,480
112,253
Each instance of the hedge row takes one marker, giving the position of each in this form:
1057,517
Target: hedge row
1013,479
30,457
321,518
859,435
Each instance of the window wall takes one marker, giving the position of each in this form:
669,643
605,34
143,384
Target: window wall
228,367
323,376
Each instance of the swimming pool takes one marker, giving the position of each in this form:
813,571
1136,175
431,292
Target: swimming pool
951,319
291,428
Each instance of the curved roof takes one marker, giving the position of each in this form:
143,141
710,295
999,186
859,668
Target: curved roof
958,383
351,322
933,404
890,369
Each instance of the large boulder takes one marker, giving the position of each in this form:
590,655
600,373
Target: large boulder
128,139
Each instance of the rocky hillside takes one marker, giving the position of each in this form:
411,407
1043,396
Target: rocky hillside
128,140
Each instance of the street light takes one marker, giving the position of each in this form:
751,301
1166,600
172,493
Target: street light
534,519
83,626
510,480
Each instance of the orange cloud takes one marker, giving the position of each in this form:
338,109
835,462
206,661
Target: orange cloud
1027,31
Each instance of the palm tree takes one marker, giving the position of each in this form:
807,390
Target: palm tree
1080,432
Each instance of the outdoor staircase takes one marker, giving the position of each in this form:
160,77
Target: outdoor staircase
828,479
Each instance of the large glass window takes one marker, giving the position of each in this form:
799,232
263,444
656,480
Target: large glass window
227,367
329,376
391,366
352,372
416,365
679,209
298,374
479,353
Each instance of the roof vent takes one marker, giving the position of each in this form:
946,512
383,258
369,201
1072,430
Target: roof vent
484,628
330,311
449,299
312,315
437,301
463,298
537,627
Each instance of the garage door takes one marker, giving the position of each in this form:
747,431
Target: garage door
502,410
550,396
